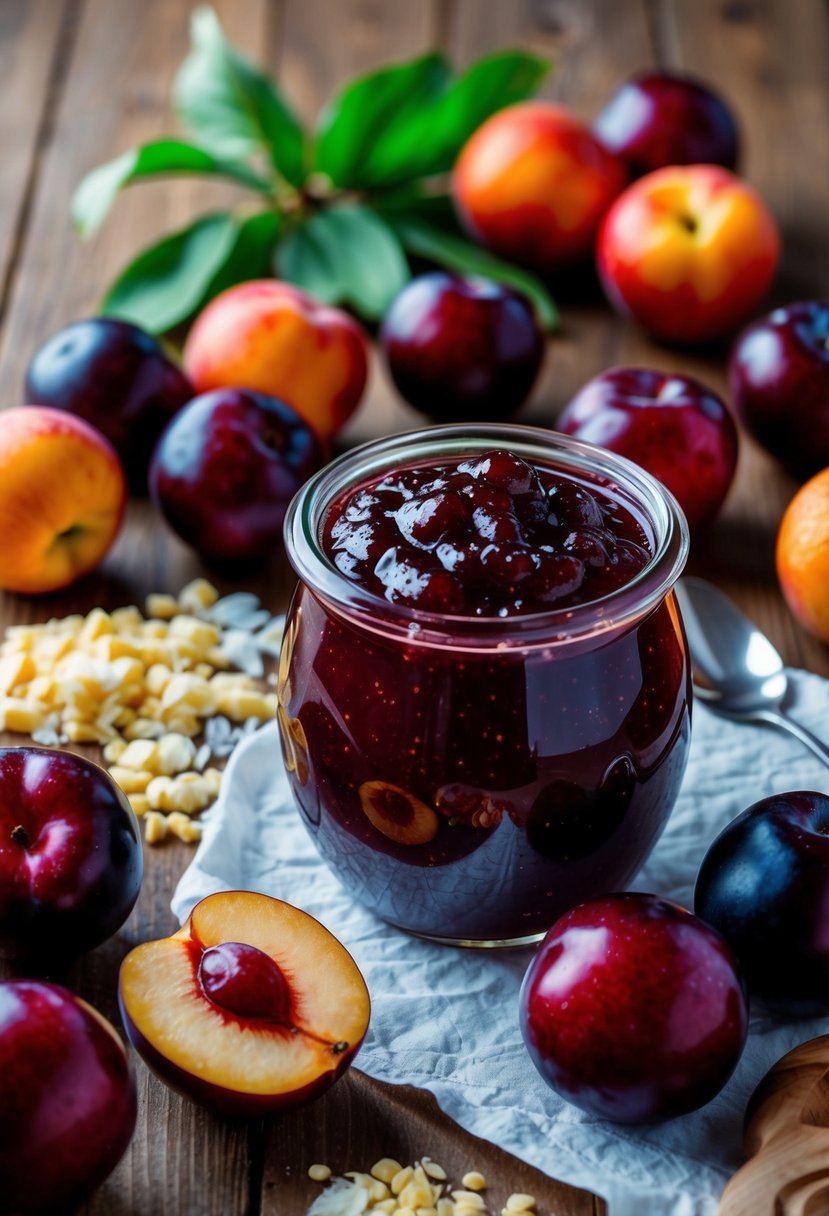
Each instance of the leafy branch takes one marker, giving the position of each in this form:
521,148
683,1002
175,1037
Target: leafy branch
342,211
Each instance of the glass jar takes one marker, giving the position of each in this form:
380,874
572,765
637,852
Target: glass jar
468,779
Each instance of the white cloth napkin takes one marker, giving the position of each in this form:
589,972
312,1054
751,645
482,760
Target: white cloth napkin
446,1018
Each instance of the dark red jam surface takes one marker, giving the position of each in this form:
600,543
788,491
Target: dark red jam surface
489,535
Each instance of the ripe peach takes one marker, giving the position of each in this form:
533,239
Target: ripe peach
688,251
62,498
273,338
533,182
252,1007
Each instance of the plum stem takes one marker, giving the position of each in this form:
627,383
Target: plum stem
20,836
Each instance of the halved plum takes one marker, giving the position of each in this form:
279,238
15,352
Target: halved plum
252,1007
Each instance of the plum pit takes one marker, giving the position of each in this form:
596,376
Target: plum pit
242,979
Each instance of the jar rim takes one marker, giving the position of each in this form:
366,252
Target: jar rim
615,611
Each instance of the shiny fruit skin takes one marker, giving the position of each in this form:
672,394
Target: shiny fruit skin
532,184
225,470
633,1009
764,885
62,499
778,378
118,379
657,119
802,555
674,426
462,349
67,1099
688,251
272,338
71,859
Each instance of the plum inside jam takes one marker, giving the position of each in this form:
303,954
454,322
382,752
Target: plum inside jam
490,535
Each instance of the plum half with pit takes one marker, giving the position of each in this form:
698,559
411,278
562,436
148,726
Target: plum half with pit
116,377
225,470
462,349
674,426
252,1007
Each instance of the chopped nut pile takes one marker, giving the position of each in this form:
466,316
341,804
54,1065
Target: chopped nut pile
421,1189
145,688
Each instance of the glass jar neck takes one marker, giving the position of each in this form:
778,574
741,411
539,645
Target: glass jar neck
632,486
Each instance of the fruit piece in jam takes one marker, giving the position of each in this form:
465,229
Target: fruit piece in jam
485,536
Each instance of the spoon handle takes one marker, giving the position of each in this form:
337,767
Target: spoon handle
820,749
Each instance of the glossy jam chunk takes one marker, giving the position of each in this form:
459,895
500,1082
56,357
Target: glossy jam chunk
490,535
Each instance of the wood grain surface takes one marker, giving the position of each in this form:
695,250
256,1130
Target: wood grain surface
82,80
363,1119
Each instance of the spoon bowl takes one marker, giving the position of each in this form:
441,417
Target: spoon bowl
736,669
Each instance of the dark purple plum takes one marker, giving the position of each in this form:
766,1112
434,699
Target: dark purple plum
116,377
764,884
225,470
778,377
462,349
666,118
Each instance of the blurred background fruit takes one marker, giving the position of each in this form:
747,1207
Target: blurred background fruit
778,376
802,555
62,498
673,426
533,183
664,118
272,338
116,377
462,349
688,251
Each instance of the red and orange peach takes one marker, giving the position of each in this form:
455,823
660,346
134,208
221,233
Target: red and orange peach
62,498
532,184
688,251
275,339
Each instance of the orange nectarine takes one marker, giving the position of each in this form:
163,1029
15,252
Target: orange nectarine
62,498
272,338
533,182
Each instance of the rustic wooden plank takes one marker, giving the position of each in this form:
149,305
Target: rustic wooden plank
34,36
361,1120
770,60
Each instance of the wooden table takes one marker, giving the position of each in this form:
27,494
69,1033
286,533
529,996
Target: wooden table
82,80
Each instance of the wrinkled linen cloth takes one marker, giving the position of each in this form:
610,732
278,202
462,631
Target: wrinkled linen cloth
446,1018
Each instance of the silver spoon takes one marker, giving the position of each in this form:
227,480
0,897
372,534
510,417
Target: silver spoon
736,670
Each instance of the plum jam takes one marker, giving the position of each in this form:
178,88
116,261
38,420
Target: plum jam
483,688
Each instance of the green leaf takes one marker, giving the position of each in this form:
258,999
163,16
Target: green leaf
167,282
251,256
489,85
411,121
347,255
99,189
364,128
232,107
453,252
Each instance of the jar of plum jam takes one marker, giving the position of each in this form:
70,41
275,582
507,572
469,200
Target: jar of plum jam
484,698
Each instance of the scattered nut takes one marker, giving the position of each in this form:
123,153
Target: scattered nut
319,1173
